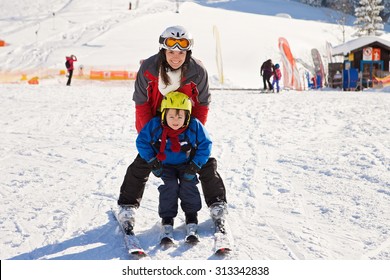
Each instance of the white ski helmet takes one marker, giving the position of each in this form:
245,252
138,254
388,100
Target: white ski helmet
176,37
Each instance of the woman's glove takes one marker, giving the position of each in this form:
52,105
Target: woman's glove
156,167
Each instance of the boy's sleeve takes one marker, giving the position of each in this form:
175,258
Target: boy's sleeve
144,141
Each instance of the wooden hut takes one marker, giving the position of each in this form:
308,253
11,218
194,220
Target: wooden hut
364,59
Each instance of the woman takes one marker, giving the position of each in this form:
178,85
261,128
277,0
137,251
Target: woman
266,71
172,69
69,66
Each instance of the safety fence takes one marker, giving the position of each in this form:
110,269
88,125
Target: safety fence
82,73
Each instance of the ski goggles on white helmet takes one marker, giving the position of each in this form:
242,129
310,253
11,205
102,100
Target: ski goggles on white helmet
176,37
172,43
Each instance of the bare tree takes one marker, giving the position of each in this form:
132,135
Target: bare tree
341,12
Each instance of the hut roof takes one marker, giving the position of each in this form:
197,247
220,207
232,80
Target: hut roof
358,43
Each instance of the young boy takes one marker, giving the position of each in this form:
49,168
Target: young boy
277,76
176,146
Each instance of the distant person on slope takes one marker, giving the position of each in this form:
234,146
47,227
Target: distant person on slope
169,144
172,69
70,67
266,71
276,77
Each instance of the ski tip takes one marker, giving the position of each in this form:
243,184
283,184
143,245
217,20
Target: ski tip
222,251
192,240
166,242
139,254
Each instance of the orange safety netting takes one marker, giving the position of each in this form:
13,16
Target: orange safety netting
385,81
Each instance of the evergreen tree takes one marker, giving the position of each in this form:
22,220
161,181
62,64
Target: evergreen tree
314,3
385,14
368,22
344,6
348,6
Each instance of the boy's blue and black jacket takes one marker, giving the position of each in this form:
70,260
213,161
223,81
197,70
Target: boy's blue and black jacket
194,138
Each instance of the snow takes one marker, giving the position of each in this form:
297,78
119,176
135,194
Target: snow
306,173
354,44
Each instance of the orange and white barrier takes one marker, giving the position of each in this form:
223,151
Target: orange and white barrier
84,73
34,81
112,75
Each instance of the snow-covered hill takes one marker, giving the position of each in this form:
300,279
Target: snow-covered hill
306,173
107,34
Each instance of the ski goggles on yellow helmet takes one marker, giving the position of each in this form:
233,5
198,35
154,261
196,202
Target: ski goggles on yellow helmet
176,100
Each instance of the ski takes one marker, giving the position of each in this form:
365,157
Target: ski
132,243
222,239
166,243
222,244
192,239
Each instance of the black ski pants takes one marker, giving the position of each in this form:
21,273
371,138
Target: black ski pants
267,81
175,188
70,74
138,172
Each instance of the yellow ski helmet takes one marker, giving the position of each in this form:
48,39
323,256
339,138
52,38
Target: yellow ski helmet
176,100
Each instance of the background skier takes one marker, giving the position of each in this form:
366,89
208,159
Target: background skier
266,71
69,67
276,77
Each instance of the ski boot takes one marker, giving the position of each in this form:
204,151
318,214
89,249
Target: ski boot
126,217
166,236
223,240
218,212
192,236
